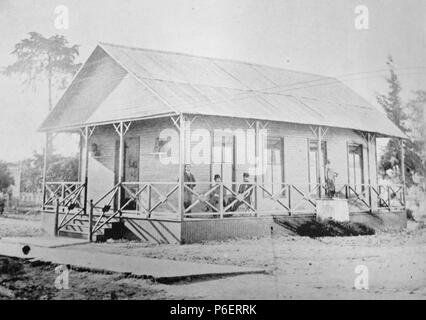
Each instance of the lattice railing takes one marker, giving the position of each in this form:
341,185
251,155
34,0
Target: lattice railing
364,197
144,199
218,200
249,199
66,193
67,198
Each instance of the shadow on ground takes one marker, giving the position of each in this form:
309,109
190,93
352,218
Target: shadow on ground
326,228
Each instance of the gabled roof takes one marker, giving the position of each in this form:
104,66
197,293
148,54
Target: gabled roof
123,83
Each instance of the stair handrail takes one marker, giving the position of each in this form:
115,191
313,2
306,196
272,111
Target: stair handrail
111,192
65,222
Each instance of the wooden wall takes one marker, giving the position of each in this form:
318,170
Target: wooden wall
101,167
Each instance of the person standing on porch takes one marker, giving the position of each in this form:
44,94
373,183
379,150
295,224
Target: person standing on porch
188,177
330,180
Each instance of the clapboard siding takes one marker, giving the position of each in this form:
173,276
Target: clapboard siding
296,137
101,168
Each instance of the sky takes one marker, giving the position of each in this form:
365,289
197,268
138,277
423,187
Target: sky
316,36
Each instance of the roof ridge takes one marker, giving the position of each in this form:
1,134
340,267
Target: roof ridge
214,58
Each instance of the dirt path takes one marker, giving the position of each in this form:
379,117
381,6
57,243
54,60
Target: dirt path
326,271
299,267
20,279
302,268
13,226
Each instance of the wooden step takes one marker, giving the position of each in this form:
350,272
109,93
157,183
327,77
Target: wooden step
79,228
73,234
85,221
76,228
95,218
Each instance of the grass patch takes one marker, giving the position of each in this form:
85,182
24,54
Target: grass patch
10,266
35,280
331,228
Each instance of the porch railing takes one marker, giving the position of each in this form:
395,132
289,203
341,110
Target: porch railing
104,205
202,200
219,200
150,198
249,199
68,198
66,193
144,199
364,197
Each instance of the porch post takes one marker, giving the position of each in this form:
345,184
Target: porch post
86,166
46,151
320,176
181,207
121,129
402,144
120,162
368,140
56,226
80,158
91,221
256,169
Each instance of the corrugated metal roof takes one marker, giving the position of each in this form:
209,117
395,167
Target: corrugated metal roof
121,83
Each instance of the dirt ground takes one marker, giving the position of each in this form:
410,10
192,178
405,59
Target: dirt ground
20,279
12,224
297,268
301,267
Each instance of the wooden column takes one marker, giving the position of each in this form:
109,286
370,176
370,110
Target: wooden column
256,168
181,207
46,151
86,165
320,175
368,141
56,221
90,235
80,158
402,143
121,129
120,161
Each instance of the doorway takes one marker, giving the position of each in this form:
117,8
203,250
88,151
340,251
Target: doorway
355,167
131,164
223,159
314,164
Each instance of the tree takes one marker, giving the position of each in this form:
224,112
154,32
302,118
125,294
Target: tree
44,59
63,168
50,60
417,119
417,122
398,113
32,173
60,169
6,179
391,102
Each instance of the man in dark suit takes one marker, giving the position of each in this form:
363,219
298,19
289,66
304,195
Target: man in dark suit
242,190
187,195
214,197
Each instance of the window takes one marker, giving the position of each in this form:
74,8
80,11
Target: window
223,158
131,161
313,159
355,166
273,177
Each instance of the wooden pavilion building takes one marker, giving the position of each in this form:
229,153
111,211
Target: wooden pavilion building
144,114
